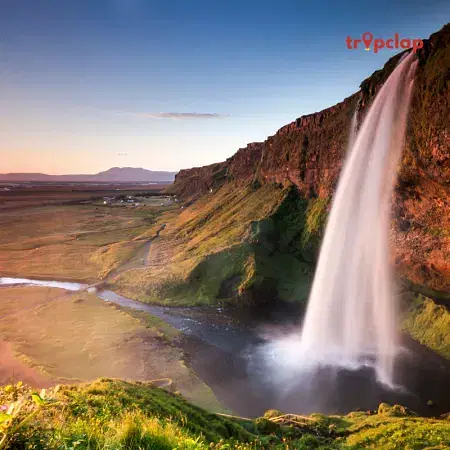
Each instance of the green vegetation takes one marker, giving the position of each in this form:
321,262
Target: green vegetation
248,245
160,327
316,215
113,414
429,324
76,242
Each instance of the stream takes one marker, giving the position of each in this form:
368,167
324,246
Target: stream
230,353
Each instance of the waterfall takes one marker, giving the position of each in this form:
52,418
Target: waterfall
351,315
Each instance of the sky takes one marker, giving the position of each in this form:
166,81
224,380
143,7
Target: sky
88,85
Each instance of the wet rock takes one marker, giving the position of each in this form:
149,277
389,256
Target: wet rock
395,411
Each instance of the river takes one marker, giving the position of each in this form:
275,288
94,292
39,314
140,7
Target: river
230,352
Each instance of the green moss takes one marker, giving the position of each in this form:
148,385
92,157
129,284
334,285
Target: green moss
273,261
429,324
207,282
113,414
316,215
398,433
394,411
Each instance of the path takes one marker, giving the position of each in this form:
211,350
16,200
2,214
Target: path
139,260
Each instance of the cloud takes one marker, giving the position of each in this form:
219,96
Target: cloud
182,115
173,115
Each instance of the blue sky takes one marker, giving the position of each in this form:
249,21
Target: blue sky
87,85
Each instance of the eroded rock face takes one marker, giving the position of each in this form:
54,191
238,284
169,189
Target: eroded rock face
309,153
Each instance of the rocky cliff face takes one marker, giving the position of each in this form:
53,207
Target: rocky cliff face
308,153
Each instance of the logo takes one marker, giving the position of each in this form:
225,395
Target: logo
378,44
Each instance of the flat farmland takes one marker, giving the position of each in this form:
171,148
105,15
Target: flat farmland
60,238
24,195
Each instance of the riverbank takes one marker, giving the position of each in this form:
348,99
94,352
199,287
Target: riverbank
57,336
234,355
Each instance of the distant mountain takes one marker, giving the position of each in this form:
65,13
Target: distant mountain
116,174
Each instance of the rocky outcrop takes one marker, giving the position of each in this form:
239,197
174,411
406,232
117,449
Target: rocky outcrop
192,183
308,153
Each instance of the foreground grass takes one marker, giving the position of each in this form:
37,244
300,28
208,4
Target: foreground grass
113,414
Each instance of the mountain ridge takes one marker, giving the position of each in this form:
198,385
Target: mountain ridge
114,174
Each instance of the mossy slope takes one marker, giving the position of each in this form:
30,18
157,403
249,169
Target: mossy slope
246,245
429,323
113,414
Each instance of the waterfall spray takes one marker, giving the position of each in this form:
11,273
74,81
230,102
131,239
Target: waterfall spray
351,315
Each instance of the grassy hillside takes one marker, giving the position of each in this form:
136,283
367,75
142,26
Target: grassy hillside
308,154
247,244
112,414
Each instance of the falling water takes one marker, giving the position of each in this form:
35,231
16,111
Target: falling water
351,315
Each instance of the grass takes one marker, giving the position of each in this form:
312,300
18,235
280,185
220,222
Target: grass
316,215
429,324
112,256
385,431
157,325
113,414
201,248
234,245
70,242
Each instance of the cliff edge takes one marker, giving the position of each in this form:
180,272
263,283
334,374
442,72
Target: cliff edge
308,154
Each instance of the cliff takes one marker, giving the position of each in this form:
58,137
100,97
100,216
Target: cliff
308,154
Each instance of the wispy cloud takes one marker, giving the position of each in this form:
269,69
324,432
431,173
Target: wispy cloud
182,115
